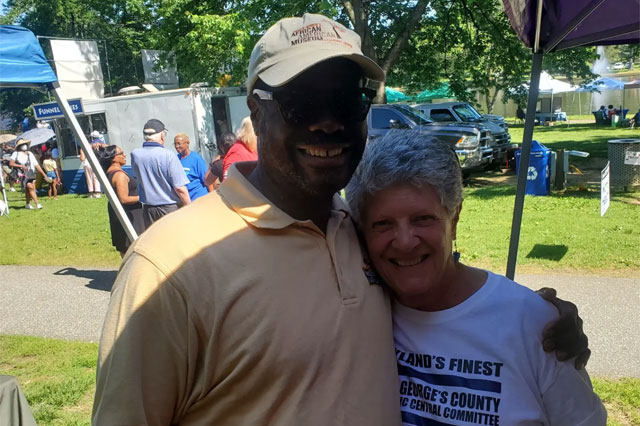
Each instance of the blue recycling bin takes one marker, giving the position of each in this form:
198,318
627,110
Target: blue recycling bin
538,181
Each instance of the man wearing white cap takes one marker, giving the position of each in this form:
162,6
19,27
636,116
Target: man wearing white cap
253,306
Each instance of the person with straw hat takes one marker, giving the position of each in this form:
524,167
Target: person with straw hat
27,165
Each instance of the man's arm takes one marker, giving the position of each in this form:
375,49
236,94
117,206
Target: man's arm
148,343
183,194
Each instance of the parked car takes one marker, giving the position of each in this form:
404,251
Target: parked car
618,66
465,138
498,135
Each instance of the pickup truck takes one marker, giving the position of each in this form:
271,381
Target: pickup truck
499,138
466,139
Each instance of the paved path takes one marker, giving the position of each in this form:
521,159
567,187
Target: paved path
70,303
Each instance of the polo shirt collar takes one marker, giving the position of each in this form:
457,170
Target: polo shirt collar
150,144
257,210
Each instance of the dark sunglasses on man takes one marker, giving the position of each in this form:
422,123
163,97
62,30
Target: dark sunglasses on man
303,107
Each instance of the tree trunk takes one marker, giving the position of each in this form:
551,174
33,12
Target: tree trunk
356,10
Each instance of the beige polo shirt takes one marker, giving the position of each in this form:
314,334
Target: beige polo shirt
230,312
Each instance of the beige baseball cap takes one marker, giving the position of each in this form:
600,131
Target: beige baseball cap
293,45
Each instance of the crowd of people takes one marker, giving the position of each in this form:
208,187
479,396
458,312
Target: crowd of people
29,167
162,182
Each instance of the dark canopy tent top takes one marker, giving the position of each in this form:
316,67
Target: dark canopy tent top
22,63
570,23
549,25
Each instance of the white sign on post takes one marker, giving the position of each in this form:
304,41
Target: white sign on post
632,158
604,190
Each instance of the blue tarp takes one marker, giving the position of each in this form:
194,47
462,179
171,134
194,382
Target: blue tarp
22,62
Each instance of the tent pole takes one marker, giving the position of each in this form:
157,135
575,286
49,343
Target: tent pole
93,161
536,67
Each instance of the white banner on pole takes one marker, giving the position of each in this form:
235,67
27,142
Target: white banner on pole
78,68
604,190
158,73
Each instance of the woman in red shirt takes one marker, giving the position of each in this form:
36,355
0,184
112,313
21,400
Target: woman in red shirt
245,148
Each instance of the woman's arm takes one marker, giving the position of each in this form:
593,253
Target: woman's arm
121,182
211,181
16,165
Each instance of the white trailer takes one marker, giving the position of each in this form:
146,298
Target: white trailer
203,113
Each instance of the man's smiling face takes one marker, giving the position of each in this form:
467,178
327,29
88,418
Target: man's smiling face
312,135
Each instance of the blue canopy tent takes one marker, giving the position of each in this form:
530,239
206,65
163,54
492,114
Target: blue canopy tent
549,25
23,65
604,84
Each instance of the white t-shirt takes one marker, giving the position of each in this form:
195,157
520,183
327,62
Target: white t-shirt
25,158
482,362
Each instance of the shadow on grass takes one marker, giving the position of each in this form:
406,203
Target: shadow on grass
549,252
483,191
100,280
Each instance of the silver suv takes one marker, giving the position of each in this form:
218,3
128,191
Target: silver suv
498,135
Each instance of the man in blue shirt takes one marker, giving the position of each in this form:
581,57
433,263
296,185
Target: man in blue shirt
193,164
162,183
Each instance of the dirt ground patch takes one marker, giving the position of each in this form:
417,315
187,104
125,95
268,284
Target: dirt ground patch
584,175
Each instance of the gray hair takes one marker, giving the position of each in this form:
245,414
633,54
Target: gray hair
406,157
154,137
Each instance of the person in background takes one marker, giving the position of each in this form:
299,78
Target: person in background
26,162
55,155
214,175
635,120
93,184
194,166
611,111
10,174
112,158
244,149
162,183
51,169
406,197
603,111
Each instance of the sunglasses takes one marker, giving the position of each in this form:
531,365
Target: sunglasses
303,107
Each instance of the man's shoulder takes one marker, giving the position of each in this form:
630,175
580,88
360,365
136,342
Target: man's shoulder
180,235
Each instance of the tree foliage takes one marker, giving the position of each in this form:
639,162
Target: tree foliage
418,43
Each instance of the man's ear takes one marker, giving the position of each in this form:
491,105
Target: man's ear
255,112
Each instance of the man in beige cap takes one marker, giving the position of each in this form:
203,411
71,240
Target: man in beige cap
252,306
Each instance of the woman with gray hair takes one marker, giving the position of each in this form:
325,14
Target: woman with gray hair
468,342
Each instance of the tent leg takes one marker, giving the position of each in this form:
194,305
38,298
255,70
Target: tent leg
93,161
524,164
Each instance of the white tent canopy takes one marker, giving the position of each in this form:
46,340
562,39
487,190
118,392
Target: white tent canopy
549,85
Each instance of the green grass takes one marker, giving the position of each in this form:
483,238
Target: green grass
622,399
581,137
72,230
58,379
560,232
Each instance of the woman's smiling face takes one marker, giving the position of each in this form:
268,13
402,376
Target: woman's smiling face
409,236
